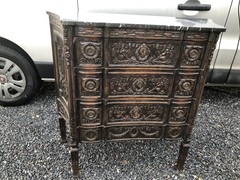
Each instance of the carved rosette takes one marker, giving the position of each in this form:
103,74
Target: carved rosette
90,52
90,115
137,85
178,114
143,54
185,87
90,86
174,132
145,132
192,55
133,113
91,134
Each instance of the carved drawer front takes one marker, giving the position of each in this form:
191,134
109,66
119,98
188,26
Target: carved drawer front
196,36
90,113
179,112
89,51
185,84
192,54
138,83
133,132
143,53
173,132
144,33
89,83
91,135
135,112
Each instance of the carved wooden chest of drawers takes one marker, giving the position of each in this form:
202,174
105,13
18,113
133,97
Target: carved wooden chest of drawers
120,81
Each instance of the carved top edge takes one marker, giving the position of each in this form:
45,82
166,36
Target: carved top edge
141,21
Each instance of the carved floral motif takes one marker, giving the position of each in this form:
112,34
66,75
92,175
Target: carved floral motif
144,54
137,85
123,113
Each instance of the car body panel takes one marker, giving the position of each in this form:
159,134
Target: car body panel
26,24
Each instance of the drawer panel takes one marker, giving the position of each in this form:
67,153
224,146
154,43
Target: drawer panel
122,84
133,132
143,53
136,112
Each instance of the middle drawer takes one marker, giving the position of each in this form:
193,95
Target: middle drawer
138,83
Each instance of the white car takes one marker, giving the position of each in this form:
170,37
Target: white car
25,45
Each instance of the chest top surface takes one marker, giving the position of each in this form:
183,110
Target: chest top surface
144,21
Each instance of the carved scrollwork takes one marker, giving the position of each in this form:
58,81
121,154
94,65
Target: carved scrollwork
90,53
143,54
62,71
62,109
135,85
134,132
123,113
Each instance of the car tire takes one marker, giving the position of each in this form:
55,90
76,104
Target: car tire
19,79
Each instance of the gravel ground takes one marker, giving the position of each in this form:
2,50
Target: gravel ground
30,147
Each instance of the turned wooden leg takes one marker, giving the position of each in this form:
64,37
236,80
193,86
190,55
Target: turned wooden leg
74,159
62,125
183,152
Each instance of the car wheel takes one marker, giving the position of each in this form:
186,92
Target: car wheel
19,80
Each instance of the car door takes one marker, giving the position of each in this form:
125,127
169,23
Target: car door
225,63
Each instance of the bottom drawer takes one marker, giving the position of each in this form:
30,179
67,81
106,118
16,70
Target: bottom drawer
117,133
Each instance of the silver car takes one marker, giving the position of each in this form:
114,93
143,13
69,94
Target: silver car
25,46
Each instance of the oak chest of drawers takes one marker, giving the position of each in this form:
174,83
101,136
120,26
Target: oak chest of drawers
121,81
